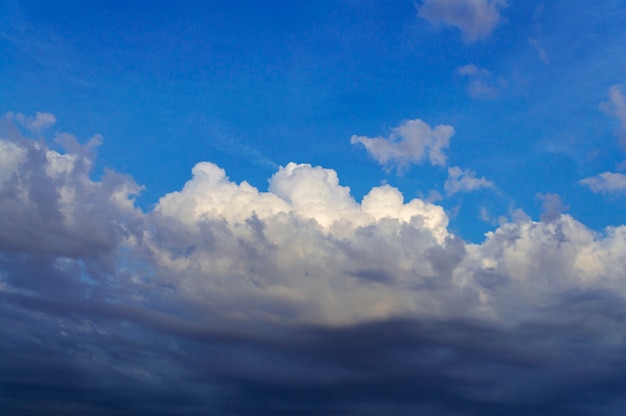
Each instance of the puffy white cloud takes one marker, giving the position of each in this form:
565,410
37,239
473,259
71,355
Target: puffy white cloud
476,19
304,250
606,182
410,143
464,180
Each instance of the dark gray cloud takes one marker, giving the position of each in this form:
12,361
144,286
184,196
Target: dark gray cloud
103,359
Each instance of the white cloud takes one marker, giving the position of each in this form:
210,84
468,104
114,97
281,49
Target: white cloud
464,180
36,123
303,252
476,19
303,247
410,143
607,182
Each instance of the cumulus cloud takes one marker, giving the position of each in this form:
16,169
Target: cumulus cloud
226,299
411,142
606,182
464,180
476,19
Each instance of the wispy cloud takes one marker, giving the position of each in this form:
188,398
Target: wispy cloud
464,180
616,107
543,54
476,19
606,182
482,84
36,123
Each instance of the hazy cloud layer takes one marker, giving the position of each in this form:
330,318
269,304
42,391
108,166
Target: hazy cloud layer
411,142
476,19
225,299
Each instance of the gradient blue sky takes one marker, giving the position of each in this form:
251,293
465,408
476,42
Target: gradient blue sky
313,207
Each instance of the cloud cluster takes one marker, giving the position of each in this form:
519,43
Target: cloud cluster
611,183
476,19
411,142
226,299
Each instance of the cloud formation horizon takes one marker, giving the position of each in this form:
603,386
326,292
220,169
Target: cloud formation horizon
292,300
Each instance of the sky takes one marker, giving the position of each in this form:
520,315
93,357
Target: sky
313,207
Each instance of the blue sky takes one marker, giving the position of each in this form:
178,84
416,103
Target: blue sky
252,87
338,169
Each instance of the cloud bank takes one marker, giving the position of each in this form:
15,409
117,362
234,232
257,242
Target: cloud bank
226,299
476,19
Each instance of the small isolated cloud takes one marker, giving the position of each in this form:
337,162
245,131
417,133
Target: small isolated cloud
460,180
471,70
481,83
410,143
476,19
606,183
616,107
543,55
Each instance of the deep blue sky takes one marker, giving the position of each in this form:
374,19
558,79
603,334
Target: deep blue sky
313,207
